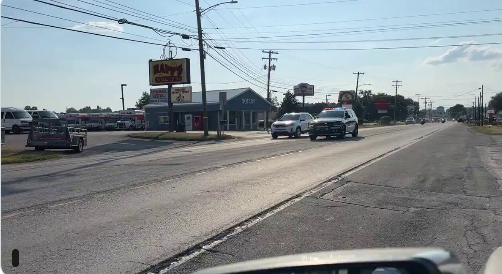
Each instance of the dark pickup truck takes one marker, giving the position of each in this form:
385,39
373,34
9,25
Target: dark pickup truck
56,134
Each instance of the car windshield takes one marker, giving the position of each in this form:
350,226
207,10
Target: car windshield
331,114
21,114
290,117
47,114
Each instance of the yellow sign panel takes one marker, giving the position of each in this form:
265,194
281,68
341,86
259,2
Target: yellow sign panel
169,72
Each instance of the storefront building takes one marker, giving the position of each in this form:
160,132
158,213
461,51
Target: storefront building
234,109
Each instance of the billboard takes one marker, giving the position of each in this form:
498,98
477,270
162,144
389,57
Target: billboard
345,97
169,72
303,89
410,108
181,94
382,106
158,95
178,94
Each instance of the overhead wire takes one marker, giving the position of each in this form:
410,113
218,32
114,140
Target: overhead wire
91,33
372,40
78,22
374,19
100,15
378,48
371,29
298,4
140,12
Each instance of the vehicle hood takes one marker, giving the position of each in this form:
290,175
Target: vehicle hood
284,123
323,120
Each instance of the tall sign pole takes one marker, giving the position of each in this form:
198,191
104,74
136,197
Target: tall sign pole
357,82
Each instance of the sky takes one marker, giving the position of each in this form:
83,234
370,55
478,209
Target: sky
320,42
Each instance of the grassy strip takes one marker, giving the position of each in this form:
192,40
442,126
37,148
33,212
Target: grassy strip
493,130
27,156
178,136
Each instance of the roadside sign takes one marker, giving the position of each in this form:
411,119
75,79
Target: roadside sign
382,111
346,97
347,106
181,94
158,95
169,72
303,89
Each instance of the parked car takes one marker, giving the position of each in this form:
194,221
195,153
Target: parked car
15,120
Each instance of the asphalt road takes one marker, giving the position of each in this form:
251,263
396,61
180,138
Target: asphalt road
124,212
444,191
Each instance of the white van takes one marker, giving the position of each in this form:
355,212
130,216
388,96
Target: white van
15,120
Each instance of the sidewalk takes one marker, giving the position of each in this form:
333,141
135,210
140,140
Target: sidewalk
491,157
255,134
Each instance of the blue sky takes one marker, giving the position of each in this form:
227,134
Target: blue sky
55,69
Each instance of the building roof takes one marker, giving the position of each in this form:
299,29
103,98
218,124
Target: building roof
214,95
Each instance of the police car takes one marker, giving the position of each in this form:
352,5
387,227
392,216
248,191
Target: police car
334,122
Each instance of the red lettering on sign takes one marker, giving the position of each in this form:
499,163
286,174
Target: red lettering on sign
164,68
168,79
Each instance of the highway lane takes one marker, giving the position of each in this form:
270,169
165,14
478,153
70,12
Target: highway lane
445,191
43,183
127,214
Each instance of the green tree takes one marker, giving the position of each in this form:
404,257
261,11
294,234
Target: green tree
457,111
86,109
143,100
496,102
30,108
71,110
108,109
289,104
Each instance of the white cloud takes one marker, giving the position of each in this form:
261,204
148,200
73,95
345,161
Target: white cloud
100,27
466,53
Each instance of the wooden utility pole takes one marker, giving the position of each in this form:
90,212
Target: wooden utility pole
357,82
396,84
268,68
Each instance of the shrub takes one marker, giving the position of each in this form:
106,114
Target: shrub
385,120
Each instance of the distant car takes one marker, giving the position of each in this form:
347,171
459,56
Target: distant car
410,120
291,124
460,120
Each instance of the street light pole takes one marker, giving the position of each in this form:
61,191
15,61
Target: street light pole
202,69
122,98
198,12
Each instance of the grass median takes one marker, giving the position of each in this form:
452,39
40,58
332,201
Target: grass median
178,136
489,130
27,156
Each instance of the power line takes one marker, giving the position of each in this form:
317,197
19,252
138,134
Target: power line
371,40
375,29
376,19
299,4
95,34
103,16
140,12
379,48
69,20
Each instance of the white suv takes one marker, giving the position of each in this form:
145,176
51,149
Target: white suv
292,124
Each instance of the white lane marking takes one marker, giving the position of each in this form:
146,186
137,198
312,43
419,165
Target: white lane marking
249,223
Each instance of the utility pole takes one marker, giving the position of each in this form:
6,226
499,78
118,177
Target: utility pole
396,84
202,69
268,68
418,100
475,110
482,112
430,105
357,82
425,105
122,98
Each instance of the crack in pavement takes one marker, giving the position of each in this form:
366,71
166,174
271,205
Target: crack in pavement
423,191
